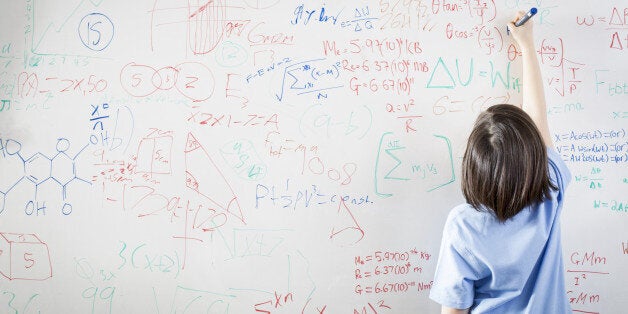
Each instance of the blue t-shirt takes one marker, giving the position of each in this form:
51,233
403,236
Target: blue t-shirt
510,267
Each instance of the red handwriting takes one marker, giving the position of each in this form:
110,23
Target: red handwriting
394,67
381,85
315,165
490,39
566,78
230,121
29,84
386,272
383,48
371,308
193,80
256,38
279,146
207,210
277,302
617,19
236,93
404,112
486,11
585,267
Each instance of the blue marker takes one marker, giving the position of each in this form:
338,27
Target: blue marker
523,19
526,17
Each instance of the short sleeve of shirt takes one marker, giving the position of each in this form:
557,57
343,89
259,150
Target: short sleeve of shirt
559,173
455,275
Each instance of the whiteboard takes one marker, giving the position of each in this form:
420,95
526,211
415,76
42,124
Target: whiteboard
284,157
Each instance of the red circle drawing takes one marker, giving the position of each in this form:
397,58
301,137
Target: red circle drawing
137,79
195,81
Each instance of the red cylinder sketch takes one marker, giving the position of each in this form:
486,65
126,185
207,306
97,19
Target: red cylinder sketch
205,25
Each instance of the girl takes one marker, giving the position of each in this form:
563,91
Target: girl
501,251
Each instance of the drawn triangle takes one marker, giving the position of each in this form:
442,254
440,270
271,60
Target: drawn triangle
441,76
204,177
616,18
191,143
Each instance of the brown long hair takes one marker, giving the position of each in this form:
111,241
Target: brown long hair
504,168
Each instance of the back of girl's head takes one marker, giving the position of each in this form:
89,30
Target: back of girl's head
504,168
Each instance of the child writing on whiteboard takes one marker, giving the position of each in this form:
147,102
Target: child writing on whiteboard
501,251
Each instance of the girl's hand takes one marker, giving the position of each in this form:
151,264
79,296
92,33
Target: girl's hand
523,35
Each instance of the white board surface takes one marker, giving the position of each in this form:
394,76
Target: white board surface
278,156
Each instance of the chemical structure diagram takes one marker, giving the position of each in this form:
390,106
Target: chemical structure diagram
35,171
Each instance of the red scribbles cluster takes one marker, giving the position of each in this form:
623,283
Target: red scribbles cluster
137,185
234,92
399,86
380,47
114,171
391,256
615,22
204,177
384,272
152,157
397,14
231,121
393,18
489,39
30,85
277,302
279,146
390,71
154,153
619,42
210,27
585,267
485,10
449,6
373,308
286,303
405,113
193,80
566,77
394,67
206,26
453,33
391,287
257,37
311,163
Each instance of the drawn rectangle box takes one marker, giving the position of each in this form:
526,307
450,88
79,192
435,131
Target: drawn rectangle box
153,155
24,256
